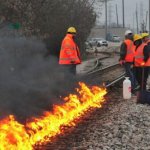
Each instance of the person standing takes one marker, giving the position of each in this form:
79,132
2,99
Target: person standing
69,54
127,51
141,61
145,38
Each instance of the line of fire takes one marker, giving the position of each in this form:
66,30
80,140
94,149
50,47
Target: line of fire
74,74
40,130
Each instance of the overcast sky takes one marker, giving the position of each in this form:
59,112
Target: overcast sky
130,8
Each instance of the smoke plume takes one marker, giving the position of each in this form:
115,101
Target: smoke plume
29,82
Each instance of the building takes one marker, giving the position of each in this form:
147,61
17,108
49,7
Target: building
100,32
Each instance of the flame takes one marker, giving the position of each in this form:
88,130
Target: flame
15,136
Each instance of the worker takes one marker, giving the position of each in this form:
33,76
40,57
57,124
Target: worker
141,61
145,38
69,53
127,51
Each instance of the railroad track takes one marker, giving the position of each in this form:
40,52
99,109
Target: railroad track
110,75
74,134
103,70
97,63
104,75
73,137
118,79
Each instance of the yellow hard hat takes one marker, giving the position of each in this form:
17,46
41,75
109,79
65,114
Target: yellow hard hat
71,30
144,35
137,37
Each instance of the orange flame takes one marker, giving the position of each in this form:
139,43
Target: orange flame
16,136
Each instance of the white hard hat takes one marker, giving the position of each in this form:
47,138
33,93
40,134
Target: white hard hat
128,32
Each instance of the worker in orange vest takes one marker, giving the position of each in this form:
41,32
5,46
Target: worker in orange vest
69,53
146,40
141,61
127,51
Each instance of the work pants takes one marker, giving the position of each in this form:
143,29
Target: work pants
69,69
69,73
68,81
130,73
141,74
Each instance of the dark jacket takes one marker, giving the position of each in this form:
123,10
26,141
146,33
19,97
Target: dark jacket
123,51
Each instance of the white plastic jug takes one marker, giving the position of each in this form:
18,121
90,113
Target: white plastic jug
126,88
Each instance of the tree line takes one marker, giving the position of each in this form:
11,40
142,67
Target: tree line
49,19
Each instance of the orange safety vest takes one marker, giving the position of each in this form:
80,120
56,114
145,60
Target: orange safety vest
148,41
69,51
130,50
139,57
148,61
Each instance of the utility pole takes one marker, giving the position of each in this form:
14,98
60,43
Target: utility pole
106,19
146,21
109,15
133,21
141,21
137,20
117,15
123,13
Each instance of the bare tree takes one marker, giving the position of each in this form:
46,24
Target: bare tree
49,19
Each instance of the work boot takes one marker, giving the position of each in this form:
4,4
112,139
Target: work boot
136,88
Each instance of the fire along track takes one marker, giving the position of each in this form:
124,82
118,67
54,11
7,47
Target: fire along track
108,75
101,74
76,134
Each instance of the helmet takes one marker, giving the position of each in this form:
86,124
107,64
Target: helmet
128,32
144,35
137,37
71,30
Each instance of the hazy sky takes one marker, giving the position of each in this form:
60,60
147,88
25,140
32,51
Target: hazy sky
130,8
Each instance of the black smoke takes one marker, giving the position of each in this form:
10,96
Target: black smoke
29,82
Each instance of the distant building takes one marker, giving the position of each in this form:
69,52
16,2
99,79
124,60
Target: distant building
100,32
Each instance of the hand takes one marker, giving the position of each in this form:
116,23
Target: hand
72,62
142,64
132,66
121,62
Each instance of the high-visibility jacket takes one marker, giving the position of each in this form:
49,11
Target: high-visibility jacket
130,50
148,61
139,57
69,53
148,41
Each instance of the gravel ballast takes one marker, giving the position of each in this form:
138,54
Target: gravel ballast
119,125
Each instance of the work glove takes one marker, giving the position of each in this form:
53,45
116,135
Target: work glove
121,62
142,64
132,66
72,62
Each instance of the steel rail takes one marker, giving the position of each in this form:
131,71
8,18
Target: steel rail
103,69
95,76
97,64
115,80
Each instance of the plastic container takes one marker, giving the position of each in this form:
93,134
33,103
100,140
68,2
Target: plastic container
126,88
